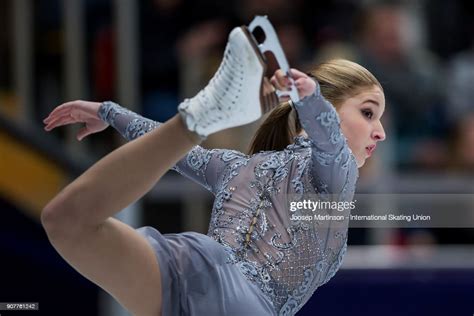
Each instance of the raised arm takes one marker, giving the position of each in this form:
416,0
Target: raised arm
200,165
334,167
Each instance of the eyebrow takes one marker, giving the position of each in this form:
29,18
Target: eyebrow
372,101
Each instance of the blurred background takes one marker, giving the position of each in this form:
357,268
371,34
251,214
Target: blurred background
148,55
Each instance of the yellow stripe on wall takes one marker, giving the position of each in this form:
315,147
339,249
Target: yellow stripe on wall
27,179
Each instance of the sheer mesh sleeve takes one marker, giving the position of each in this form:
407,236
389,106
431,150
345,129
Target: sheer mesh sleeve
200,165
334,168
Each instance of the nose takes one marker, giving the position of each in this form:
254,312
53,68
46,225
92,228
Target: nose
379,133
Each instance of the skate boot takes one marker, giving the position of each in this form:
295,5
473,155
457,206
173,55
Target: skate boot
239,92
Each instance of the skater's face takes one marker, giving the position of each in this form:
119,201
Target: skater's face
360,122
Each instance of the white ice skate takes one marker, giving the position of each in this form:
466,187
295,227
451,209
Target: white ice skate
237,95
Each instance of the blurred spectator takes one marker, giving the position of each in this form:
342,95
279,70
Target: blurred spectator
463,143
328,22
459,82
200,50
161,23
448,25
460,77
412,83
169,29
277,10
294,44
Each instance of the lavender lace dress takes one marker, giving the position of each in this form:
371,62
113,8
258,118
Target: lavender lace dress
255,260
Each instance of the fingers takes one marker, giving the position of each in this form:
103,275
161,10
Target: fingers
276,84
70,107
60,110
301,81
296,74
83,132
267,86
57,114
59,121
301,85
305,86
281,81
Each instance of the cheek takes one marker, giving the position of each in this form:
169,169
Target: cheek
354,132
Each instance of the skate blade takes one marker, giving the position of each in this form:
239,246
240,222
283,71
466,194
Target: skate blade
268,98
273,45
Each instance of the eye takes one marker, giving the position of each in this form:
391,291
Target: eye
367,113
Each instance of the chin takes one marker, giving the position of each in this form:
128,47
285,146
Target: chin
360,163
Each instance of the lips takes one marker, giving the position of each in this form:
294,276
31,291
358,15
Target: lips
370,149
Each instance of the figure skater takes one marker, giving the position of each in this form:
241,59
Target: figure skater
255,260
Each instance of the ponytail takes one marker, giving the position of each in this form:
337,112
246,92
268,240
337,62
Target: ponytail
277,131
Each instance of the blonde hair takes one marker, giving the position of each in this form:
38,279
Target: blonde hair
339,80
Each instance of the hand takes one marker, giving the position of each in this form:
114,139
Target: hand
76,112
304,84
